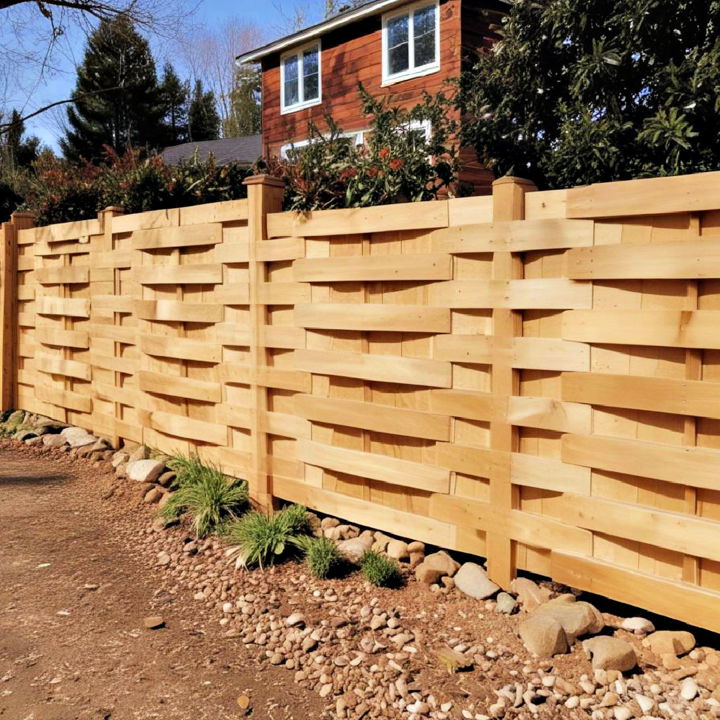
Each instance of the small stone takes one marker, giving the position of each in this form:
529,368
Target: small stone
53,441
329,522
637,625
472,580
276,659
354,548
452,660
152,496
576,618
689,689
543,636
153,622
622,713
610,653
119,458
77,437
142,452
398,550
505,603
163,558
416,547
677,642
167,479
645,703
144,470
243,702
297,619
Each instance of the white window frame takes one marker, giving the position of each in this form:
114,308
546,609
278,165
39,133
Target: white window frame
412,71
358,135
302,104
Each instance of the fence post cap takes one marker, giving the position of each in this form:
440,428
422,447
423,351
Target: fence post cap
511,179
114,208
269,180
22,214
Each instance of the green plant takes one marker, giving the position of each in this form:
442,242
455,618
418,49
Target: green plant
321,555
260,539
380,570
207,495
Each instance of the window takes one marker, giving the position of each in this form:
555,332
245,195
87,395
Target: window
410,43
356,137
300,78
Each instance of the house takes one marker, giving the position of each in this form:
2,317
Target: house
243,150
396,48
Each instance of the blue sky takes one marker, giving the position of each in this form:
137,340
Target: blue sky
31,90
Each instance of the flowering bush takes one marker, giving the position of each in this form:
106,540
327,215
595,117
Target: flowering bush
407,156
59,191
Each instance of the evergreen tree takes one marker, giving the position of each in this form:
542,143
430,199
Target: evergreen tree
203,118
582,91
117,100
245,109
16,150
174,100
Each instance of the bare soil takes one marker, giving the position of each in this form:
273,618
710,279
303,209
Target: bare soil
72,603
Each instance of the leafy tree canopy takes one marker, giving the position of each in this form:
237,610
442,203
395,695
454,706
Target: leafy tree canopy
582,91
245,110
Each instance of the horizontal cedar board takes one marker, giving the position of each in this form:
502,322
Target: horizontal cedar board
532,294
63,275
369,316
182,387
369,416
682,533
464,459
119,333
682,397
282,293
177,311
67,231
653,196
366,513
548,414
431,266
666,260
218,212
468,404
68,307
180,348
383,368
234,416
514,236
175,237
151,220
284,248
232,252
678,600
232,294
382,468
319,223
115,303
60,366
549,474
125,364
118,258
693,466
64,398
669,328
63,338
284,425
189,428
178,275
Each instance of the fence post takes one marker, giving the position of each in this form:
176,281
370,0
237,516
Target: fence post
508,204
9,306
265,195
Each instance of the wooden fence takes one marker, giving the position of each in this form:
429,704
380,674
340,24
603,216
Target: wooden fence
533,377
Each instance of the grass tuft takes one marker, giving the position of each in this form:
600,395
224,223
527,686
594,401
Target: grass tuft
206,494
380,570
259,539
321,556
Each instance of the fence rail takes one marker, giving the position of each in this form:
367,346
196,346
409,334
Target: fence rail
533,377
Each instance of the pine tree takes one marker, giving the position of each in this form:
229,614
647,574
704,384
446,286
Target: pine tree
117,98
174,100
16,150
203,118
582,91
245,109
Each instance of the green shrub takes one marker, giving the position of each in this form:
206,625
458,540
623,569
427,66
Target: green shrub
380,570
260,539
321,556
208,496
188,469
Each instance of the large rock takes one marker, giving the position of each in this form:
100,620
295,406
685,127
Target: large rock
77,437
436,566
530,595
637,625
119,458
398,550
53,441
472,580
141,452
665,642
354,548
543,636
144,470
576,618
610,653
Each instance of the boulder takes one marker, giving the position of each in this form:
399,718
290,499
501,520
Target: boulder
145,470
416,547
329,522
142,452
398,550
530,595
77,437
53,441
442,562
472,580
543,636
119,458
663,642
428,575
610,653
576,618
354,548
637,625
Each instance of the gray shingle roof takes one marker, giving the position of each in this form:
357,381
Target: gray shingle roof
245,150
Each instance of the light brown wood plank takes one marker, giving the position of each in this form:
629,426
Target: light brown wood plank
434,266
389,318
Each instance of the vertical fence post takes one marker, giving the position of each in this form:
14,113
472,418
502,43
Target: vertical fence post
265,195
9,306
508,204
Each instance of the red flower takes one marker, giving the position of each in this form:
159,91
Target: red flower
396,163
384,152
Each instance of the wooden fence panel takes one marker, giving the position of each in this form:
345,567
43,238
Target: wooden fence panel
533,377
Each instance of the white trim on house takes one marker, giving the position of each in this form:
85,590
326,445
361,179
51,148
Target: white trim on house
358,135
413,71
298,51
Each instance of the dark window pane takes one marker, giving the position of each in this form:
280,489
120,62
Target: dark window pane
424,21
424,35
398,59
311,87
310,61
291,67
291,93
290,87
397,31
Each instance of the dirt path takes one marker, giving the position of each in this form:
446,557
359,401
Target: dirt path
72,604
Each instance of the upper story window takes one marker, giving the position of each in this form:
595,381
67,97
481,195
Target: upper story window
300,78
410,42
